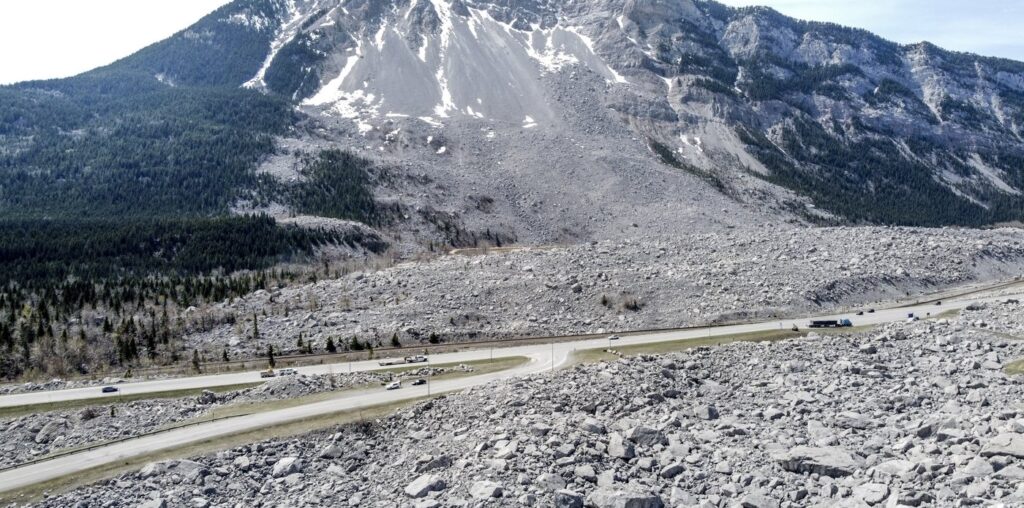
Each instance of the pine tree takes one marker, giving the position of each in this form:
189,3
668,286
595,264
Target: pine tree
224,356
195,360
270,355
395,342
331,348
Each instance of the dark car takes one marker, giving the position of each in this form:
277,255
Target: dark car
860,313
938,302
871,311
110,389
419,382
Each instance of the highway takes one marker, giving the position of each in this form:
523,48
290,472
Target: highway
561,345
14,479
542,357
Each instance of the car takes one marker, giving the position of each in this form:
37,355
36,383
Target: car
110,389
860,313
871,311
613,337
939,302
910,315
419,382
394,385
289,372
268,373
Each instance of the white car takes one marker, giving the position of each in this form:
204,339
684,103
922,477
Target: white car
288,372
394,385
613,337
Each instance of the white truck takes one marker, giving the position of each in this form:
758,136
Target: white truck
394,385
415,359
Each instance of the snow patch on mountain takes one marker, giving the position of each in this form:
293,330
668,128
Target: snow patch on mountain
462,63
297,17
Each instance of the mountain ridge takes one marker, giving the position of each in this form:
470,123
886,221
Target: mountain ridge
823,122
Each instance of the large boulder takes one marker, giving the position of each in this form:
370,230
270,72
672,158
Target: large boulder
424,485
593,426
619,448
605,497
1005,444
827,461
50,431
645,436
568,499
549,482
285,467
485,490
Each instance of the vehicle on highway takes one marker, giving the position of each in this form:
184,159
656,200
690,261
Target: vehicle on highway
415,359
394,385
613,337
939,302
419,382
860,313
110,389
268,373
871,311
795,328
831,323
288,372
910,315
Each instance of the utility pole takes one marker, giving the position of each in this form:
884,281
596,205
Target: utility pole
429,372
552,357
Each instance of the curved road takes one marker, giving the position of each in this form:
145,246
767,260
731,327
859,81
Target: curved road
561,344
543,357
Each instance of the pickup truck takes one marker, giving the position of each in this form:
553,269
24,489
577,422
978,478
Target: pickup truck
394,385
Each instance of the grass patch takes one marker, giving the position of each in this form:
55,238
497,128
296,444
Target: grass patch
1015,368
36,492
675,346
479,367
948,314
15,411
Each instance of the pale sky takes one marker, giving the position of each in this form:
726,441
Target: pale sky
55,38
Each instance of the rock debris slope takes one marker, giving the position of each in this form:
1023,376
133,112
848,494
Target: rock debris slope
622,285
910,414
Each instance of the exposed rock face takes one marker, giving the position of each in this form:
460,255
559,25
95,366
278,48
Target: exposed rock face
622,434
807,106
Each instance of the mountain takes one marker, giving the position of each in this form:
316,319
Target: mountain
473,119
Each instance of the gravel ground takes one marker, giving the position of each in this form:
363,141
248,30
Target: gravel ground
910,414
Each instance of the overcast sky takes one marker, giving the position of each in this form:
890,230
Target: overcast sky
56,38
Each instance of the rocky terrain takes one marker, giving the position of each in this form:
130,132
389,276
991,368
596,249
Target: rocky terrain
31,436
622,285
910,414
